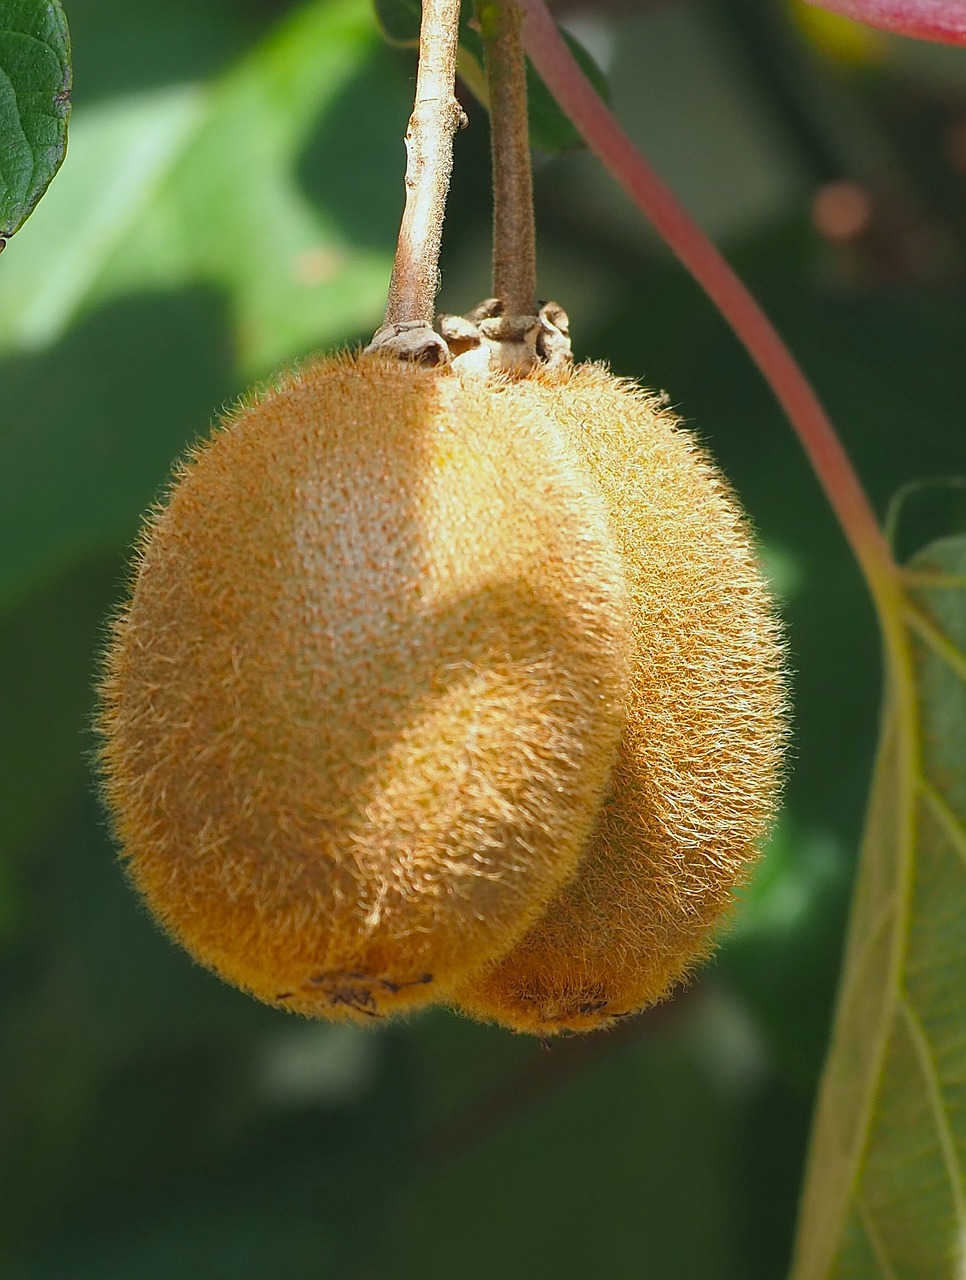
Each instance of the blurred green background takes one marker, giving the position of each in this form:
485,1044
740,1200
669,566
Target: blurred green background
229,202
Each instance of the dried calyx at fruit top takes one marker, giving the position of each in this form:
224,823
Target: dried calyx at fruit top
485,340
448,672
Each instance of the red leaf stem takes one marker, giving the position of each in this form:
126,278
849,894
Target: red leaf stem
604,136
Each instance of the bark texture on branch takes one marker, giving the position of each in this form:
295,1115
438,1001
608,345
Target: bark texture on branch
429,149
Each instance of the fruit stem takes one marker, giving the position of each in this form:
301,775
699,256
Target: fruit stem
514,237
429,162
604,136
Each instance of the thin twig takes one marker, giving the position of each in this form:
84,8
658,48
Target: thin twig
514,239
429,150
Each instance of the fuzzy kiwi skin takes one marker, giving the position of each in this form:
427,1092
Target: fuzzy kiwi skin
699,768
360,710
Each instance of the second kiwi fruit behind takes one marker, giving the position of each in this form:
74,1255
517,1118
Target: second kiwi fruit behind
696,782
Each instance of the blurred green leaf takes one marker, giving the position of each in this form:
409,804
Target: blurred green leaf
89,429
35,78
199,184
886,1188
782,947
50,642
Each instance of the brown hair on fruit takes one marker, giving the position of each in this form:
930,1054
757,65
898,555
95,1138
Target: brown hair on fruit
698,774
360,711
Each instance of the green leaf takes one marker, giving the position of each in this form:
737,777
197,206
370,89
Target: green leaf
886,1187
550,130
202,184
35,80
399,21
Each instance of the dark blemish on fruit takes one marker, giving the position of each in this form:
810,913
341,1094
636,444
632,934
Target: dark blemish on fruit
359,991
592,1006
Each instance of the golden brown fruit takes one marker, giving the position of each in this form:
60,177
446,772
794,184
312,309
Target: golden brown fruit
700,760
360,711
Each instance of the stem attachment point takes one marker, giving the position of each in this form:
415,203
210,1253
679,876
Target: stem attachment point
490,340
415,340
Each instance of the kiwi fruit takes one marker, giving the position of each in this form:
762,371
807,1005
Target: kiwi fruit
699,765
361,709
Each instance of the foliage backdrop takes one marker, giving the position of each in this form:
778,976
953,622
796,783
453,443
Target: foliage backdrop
229,202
